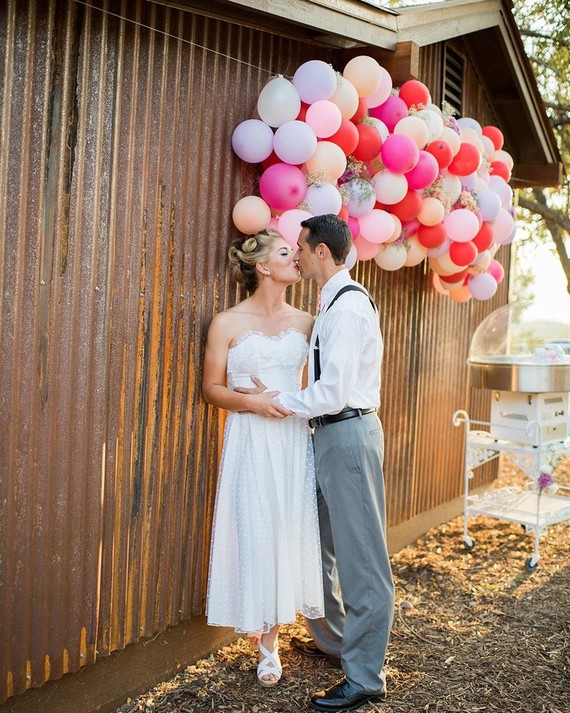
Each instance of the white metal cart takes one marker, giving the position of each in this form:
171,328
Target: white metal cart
529,506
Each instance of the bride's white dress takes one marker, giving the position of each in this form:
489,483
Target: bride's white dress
265,562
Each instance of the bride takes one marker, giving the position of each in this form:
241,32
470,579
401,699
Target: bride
265,562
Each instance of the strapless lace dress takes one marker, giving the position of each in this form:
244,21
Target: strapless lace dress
265,562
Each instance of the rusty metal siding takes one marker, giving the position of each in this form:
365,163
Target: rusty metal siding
117,183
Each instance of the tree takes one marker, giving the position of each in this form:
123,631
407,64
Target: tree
545,28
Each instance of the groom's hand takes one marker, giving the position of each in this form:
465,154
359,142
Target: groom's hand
258,389
262,401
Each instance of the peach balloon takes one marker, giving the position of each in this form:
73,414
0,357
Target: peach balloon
251,214
432,211
461,295
437,285
345,97
364,73
414,128
364,249
390,187
391,257
416,252
451,138
328,158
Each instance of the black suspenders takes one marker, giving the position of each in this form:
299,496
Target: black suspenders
316,353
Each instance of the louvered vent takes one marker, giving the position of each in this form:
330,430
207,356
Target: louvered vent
453,81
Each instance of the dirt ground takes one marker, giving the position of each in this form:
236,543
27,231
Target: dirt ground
473,632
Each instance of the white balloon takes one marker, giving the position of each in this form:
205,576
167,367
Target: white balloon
278,102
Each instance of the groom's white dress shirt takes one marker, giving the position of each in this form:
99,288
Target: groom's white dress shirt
350,346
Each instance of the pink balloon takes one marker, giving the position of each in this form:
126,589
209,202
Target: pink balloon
496,270
324,118
461,225
377,226
283,186
364,249
383,91
425,171
390,111
289,225
399,153
410,227
482,287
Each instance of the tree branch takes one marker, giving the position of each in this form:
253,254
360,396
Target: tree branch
540,36
549,214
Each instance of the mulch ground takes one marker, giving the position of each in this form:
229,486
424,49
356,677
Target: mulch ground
473,632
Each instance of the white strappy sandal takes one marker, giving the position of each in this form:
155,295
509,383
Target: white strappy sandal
271,665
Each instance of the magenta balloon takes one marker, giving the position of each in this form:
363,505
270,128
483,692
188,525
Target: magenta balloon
283,186
252,140
399,153
390,111
354,226
410,227
424,173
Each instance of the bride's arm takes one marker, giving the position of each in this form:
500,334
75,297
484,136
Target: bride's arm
214,387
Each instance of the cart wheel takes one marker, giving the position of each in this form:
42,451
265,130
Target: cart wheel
469,544
529,566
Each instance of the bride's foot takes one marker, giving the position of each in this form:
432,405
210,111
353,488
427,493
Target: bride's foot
269,668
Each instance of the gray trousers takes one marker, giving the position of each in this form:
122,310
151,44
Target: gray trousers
358,585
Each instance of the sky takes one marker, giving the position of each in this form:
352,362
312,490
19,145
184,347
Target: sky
551,300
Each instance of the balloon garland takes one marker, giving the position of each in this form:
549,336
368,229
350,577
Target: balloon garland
412,182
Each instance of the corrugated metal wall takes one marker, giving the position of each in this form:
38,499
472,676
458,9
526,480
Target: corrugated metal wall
116,187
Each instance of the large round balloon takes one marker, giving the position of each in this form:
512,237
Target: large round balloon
252,140
424,172
289,225
295,142
328,158
315,80
383,91
415,128
376,226
409,207
345,97
282,186
461,225
361,197
364,73
251,214
324,118
347,137
390,187
399,153
278,102
414,93
391,111
369,143
466,161
323,199
391,257
483,286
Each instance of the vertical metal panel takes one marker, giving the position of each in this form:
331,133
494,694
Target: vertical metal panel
117,183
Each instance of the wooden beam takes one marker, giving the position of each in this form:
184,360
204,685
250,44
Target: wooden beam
402,64
537,175
106,685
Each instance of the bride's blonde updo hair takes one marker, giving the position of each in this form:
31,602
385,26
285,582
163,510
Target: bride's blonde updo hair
245,252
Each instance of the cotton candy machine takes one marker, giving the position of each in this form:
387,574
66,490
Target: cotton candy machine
525,361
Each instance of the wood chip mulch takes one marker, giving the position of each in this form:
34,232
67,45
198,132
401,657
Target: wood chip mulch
473,633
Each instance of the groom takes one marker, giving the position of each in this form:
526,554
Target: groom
341,403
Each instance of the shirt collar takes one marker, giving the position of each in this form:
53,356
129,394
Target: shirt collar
333,285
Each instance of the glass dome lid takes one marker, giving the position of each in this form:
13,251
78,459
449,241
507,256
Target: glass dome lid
517,334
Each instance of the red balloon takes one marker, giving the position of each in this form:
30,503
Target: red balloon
455,277
414,93
484,238
408,207
431,236
302,112
346,137
361,113
500,168
343,213
369,143
462,254
442,153
496,136
466,160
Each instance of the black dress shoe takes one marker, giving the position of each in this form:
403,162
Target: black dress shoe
307,647
343,697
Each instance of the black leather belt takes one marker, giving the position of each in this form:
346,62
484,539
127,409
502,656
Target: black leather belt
335,417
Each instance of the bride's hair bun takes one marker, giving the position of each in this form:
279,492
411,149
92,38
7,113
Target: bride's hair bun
245,252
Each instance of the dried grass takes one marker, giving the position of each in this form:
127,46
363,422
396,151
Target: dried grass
473,633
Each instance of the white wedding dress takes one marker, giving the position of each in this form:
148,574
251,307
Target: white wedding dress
265,562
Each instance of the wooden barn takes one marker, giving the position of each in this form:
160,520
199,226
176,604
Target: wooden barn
117,182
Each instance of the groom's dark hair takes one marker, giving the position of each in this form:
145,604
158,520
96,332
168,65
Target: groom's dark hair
332,231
